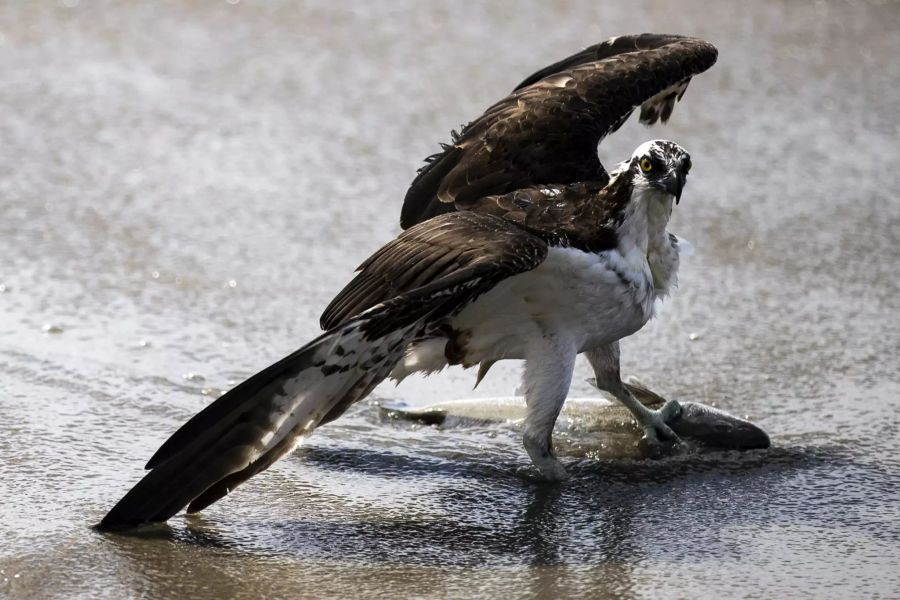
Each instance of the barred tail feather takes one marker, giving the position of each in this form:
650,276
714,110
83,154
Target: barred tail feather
259,421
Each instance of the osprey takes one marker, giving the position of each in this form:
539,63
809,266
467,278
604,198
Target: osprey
518,245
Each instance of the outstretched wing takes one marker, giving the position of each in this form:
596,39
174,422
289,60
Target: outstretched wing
265,417
464,246
548,129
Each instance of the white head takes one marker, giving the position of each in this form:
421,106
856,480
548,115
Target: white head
661,165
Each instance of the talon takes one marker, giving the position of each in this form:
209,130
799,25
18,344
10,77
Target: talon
655,449
543,459
659,439
670,411
659,436
553,471
538,474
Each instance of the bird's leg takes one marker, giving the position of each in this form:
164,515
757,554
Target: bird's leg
548,373
654,423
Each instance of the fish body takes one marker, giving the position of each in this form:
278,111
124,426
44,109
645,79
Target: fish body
594,426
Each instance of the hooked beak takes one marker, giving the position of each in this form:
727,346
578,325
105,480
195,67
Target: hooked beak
672,183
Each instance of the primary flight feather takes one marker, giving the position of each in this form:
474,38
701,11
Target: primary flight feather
548,128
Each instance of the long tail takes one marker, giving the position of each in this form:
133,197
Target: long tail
259,421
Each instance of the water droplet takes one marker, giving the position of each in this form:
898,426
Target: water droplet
232,283
751,244
143,344
4,288
694,336
155,274
194,377
52,328
212,392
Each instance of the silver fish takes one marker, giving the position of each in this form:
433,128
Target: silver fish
595,427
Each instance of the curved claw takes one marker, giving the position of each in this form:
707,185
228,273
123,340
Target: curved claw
659,439
543,458
536,475
553,471
670,411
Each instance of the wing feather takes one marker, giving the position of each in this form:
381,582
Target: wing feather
548,129
463,245
265,417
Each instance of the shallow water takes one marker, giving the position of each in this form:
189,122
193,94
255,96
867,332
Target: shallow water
182,190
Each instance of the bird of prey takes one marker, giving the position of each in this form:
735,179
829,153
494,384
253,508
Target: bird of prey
547,259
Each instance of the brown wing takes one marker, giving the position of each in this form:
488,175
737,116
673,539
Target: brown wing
464,252
420,278
548,129
579,215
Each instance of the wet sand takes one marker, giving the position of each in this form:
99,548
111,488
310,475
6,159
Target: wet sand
183,189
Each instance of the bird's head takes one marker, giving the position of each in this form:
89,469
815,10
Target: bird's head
660,165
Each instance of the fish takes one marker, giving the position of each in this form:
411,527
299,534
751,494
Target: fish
594,426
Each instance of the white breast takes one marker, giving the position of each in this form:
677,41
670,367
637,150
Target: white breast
588,298
663,258
644,239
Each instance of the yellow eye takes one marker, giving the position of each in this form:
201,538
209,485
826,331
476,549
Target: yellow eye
646,165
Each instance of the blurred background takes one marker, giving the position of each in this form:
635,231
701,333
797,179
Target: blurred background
185,185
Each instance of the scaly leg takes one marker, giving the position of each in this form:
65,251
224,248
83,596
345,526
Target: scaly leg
657,433
548,373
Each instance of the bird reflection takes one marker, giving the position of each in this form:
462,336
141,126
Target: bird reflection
583,537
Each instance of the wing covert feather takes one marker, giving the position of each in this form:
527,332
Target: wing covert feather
461,246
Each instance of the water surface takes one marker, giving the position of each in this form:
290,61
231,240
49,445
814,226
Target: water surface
184,187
